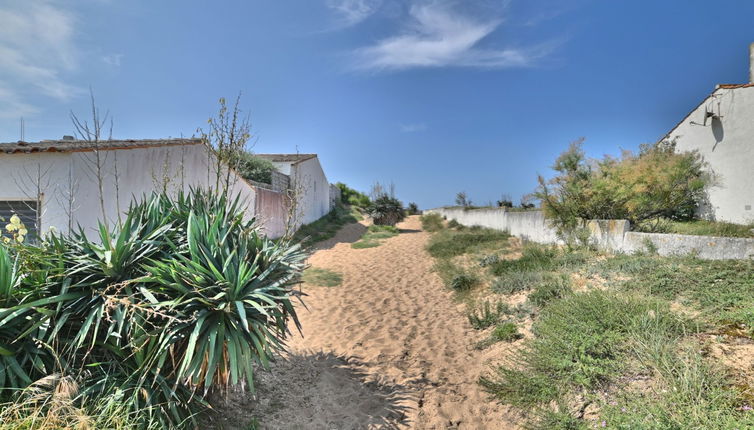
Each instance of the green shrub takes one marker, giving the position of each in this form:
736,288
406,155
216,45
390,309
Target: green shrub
183,298
349,196
506,332
552,288
454,224
657,183
432,222
537,258
386,210
488,260
413,209
487,315
463,281
252,167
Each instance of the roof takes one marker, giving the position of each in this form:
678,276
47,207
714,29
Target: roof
85,145
286,158
717,87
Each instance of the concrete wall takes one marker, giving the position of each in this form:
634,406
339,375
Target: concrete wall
334,196
309,182
727,144
140,171
608,235
530,225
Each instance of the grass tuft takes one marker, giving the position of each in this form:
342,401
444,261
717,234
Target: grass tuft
322,277
373,236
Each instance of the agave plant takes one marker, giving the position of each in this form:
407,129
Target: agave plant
184,294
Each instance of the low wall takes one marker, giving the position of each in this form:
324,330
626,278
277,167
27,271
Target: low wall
529,225
608,235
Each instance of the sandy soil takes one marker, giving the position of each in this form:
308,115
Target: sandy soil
387,349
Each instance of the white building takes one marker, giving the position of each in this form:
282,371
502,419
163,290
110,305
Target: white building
308,180
69,183
721,128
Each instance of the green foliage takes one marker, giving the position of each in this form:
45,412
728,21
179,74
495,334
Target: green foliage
349,196
463,200
581,341
432,222
656,183
322,277
552,288
463,281
697,228
386,210
184,297
454,224
506,332
538,258
413,209
451,243
327,226
373,236
488,260
487,315
252,167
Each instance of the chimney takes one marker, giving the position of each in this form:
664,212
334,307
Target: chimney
751,63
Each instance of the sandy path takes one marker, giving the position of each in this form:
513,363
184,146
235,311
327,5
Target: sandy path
389,348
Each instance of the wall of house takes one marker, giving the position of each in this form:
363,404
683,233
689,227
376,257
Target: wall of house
24,176
69,180
727,144
608,235
309,182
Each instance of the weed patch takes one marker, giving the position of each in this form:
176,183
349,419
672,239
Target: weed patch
322,277
432,222
452,243
374,234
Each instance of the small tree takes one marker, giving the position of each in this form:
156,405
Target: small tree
413,209
505,201
462,199
656,183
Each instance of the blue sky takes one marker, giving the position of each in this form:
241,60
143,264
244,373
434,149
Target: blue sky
435,96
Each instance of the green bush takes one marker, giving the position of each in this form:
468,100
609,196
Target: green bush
657,183
252,167
463,281
487,315
349,196
183,298
454,224
386,210
413,209
432,222
506,332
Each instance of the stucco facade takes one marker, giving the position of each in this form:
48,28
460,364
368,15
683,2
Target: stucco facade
67,185
721,129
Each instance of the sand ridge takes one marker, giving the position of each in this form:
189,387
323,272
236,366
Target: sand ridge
396,329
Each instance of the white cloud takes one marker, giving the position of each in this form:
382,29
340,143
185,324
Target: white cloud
112,59
352,12
36,49
413,128
439,36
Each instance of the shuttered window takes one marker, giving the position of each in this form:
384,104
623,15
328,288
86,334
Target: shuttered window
27,210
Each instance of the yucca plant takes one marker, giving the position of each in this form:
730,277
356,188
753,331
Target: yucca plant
184,294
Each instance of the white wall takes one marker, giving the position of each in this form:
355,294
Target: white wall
139,171
727,145
310,183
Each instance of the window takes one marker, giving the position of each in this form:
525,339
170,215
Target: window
27,210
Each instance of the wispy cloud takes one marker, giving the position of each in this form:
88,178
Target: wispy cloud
36,49
112,59
352,12
413,128
438,35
